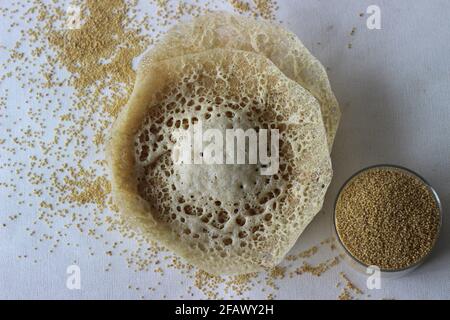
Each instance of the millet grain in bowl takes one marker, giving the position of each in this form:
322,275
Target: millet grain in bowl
388,217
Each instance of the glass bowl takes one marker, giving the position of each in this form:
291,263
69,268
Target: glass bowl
355,262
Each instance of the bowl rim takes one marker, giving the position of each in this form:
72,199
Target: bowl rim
410,172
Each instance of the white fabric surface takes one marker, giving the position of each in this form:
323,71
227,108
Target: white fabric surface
394,89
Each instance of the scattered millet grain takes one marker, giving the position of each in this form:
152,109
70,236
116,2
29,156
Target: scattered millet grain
350,285
304,254
319,269
258,8
345,295
350,291
387,217
240,6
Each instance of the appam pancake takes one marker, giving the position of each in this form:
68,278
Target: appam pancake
282,47
224,219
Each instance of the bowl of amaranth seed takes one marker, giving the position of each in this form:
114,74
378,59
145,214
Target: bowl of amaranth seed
389,217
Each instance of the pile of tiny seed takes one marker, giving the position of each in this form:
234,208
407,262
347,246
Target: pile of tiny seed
387,217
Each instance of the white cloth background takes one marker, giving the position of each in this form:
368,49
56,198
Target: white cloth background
393,86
